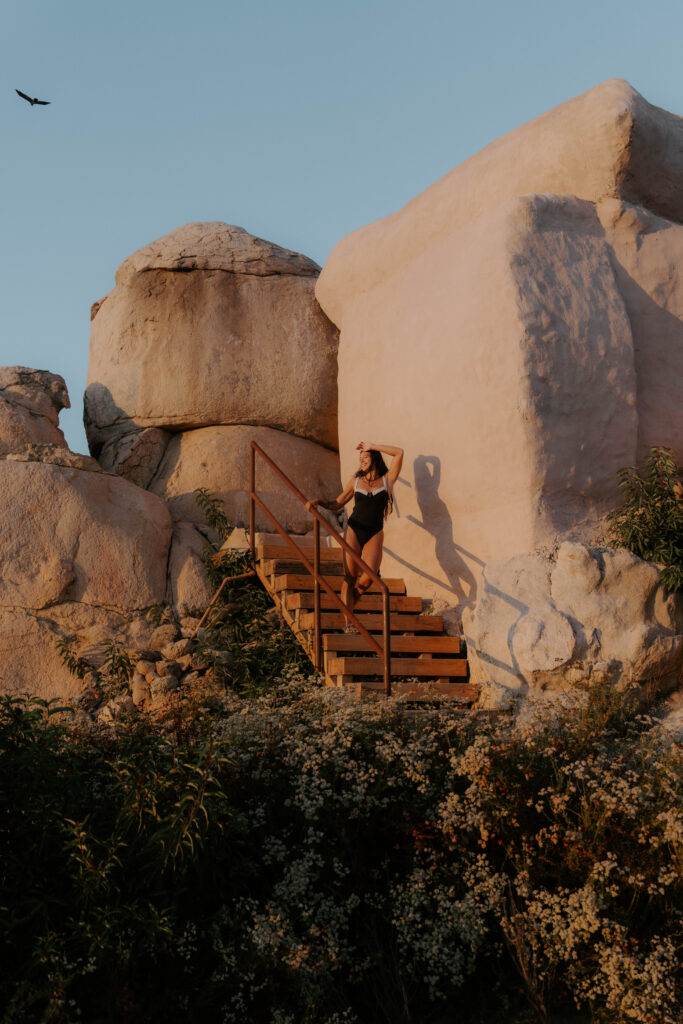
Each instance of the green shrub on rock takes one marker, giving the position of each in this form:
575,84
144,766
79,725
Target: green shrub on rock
650,520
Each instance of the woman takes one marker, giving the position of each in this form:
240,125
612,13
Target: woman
372,487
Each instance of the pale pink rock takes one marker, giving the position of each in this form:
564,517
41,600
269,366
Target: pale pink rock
521,323
136,455
217,458
588,615
30,403
648,256
72,535
188,587
210,325
30,661
514,414
608,142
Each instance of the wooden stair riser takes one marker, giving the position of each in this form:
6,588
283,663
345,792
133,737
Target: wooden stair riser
349,642
271,551
304,582
367,603
375,623
429,668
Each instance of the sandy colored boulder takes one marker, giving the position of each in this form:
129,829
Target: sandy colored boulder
608,142
30,403
588,615
648,256
210,325
217,458
523,317
514,414
30,661
72,535
188,587
136,455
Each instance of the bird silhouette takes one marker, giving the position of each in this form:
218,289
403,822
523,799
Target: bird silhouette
42,103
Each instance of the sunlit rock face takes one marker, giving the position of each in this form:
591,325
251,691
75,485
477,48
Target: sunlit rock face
30,403
80,550
591,615
213,332
218,458
521,322
210,325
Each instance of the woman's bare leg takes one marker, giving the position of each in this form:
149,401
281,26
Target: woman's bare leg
348,590
372,554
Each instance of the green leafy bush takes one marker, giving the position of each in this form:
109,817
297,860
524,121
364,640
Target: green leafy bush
301,857
213,511
650,520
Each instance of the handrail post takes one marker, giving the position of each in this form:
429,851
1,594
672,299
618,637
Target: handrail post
386,631
252,507
316,594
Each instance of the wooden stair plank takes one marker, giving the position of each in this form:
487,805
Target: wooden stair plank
430,668
273,566
298,581
280,552
375,623
367,603
399,644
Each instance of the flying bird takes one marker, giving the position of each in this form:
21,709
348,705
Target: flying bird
42,103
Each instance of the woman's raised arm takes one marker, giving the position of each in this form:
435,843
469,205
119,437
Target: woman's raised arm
386,449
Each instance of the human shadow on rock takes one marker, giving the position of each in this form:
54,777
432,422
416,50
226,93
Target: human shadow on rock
437,521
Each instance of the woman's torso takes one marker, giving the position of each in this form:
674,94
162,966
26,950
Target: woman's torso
370,503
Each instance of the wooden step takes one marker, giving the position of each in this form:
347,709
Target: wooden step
283,551
298,581
375,623
465,693
367,603
399,644
430,668
276,566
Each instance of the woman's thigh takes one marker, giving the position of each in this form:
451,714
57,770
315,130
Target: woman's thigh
372,552
350,567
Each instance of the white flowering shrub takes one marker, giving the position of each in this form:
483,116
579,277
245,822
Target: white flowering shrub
303,857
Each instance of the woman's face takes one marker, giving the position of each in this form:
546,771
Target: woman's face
365,461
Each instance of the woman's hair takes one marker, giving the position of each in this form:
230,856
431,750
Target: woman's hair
380,468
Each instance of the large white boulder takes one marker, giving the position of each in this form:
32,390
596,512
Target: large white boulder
189,590
648,256
587,615
210,325
70,534
30,403
517,330
608,142
217,458
80,551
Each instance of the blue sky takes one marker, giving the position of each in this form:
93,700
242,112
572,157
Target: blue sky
299,121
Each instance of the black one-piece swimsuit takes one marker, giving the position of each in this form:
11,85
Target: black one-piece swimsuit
367,518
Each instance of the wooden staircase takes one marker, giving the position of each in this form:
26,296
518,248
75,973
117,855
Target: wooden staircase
426,664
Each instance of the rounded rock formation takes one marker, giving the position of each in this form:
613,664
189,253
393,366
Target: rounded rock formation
210,325
524,316
217,458
30,403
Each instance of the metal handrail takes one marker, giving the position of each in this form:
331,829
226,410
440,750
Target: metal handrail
319,581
